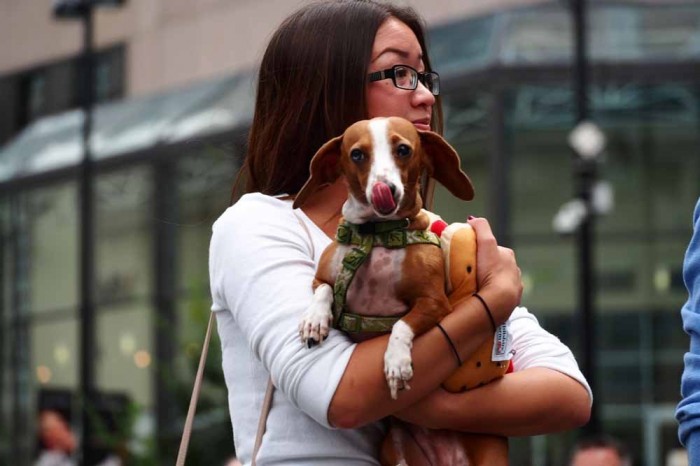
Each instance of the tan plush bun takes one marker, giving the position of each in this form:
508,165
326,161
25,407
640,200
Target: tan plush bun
458,242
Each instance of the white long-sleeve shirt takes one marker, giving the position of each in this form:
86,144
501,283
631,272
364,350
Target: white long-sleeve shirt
261,264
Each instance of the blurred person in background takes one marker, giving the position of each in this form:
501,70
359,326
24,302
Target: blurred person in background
233,462
57,443
688,412
601,450
330,401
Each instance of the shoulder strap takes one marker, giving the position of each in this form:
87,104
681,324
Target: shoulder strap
187,431
185,441
262,422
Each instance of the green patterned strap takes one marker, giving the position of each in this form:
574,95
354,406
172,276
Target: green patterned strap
356,323
390,235
394,236
351,262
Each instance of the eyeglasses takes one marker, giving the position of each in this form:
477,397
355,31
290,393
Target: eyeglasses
405,77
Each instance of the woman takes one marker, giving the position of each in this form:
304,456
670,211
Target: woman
313,83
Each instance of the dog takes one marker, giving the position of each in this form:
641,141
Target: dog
382,161
402,278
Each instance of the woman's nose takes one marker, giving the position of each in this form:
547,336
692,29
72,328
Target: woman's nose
423,96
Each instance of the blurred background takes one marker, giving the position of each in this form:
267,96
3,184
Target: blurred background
104,296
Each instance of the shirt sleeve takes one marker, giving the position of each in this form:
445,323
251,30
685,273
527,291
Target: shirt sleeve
535,347
688,412
262,269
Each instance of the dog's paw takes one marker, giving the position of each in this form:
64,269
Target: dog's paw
315,322
314,325
398,366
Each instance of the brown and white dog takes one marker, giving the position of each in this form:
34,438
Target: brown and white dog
382,161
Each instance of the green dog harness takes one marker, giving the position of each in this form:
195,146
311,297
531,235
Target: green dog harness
392,234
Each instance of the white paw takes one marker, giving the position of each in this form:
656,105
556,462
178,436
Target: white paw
316,320
398,367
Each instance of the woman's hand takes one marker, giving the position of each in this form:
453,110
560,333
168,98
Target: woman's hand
497,273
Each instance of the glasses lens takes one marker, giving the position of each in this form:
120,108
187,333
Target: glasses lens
405,77
432,82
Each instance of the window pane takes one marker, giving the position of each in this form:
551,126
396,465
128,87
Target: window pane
126,351
466,129
53,248
548,274
204,181
124,284
123,242
55,352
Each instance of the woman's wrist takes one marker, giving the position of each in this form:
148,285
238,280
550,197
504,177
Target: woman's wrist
487,309
467,326
499,303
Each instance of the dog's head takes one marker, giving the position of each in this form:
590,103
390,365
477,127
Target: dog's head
382,160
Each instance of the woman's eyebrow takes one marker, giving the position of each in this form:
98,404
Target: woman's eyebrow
399,52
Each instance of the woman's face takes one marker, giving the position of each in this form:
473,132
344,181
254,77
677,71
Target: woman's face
396,44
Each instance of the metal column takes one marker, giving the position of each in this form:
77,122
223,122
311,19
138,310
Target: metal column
585,174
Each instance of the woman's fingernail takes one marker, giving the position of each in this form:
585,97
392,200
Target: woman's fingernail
471,217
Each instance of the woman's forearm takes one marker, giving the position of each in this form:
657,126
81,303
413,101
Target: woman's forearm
530,402
363,396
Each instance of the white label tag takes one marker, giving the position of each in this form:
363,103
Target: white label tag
502,344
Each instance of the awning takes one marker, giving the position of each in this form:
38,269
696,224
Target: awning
131,125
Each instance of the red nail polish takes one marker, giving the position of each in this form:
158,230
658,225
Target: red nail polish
471,217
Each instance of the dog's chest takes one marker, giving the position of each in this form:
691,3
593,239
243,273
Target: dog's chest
373,290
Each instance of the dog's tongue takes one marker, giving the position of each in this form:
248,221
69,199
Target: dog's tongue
382,199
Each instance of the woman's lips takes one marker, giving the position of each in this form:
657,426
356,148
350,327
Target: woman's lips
423,125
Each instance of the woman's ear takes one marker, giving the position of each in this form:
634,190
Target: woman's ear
324,170
445,165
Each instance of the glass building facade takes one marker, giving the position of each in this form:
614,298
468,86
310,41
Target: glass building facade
164,169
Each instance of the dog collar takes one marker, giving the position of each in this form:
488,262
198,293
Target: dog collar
392,234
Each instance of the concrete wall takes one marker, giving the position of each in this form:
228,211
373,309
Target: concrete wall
171,43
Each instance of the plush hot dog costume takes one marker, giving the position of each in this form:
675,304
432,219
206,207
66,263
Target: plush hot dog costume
458,242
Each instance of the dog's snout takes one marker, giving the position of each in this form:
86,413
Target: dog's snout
392,188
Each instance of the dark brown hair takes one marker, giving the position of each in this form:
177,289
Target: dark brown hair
311,86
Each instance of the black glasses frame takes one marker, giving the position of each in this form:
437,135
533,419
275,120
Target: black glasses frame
430,79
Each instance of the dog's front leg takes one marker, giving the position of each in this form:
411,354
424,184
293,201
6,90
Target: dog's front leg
398,364
398,367
316,320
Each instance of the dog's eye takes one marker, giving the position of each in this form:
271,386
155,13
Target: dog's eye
356,155
403,150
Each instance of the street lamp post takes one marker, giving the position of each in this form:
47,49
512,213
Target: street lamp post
585,174
83,10
592,197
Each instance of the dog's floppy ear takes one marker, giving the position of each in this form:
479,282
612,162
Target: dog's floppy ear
324,170
445,165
